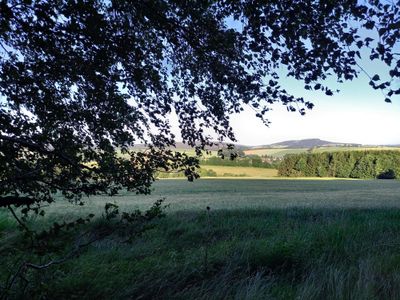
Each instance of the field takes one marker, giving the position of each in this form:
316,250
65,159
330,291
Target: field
226,171
334,149
274,152
280,153
261,239
211,171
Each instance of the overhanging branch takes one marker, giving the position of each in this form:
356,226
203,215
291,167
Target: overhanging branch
17,201
38,148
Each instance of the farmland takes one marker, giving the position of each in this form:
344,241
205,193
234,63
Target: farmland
274,239
274,152
211,171
236,194
281,152
224,171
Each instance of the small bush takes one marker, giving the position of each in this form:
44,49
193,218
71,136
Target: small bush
208,173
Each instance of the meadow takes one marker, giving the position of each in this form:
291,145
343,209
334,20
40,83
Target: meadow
261,239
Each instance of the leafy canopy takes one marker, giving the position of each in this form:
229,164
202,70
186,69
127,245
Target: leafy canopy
83,81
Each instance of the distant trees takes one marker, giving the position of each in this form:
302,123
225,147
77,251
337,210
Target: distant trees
343,164
203,173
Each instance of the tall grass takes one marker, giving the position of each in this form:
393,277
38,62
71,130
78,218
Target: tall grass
255,249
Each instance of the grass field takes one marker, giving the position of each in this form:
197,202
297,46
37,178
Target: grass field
334,149
262,239
210,171
274,152
280,153
226,171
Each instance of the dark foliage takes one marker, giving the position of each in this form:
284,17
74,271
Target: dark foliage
81,80
343,164
63,242
388,174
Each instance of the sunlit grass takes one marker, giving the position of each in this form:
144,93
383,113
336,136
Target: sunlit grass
227,171
275,152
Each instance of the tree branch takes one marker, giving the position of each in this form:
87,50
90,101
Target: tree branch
71,254
18,220
42,150
22,224
17,201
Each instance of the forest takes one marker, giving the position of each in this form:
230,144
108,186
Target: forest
343,164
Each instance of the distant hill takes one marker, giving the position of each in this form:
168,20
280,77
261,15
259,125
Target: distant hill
292,144
307,143
279,150
181,146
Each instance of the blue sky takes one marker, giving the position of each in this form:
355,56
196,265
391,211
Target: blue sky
357,114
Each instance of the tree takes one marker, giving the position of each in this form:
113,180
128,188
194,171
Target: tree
83,80
364,167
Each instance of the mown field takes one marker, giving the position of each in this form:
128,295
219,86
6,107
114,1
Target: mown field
226,171
274,152
211,171
261,239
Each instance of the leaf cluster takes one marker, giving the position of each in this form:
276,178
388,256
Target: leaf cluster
82,82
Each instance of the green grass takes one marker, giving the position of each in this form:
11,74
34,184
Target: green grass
253,194
262,239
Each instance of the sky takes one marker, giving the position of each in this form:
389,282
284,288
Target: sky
357,114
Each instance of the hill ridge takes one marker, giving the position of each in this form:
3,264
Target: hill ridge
307,143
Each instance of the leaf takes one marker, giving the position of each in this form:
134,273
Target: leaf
382,31
369,24
375,77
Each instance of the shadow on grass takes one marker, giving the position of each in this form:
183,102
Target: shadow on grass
244,254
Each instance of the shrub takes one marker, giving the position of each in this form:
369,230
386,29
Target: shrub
389,174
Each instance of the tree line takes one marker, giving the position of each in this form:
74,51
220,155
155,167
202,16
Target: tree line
343,164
